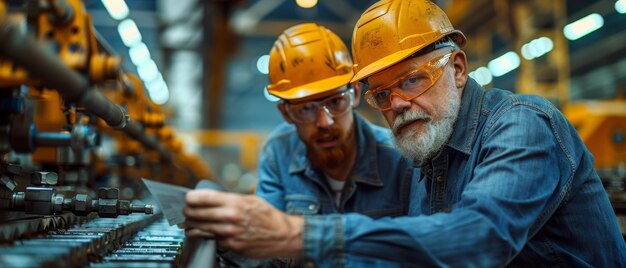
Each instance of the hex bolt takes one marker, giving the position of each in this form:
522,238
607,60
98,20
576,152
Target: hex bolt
138,208
81,204
7,183
57,203
108,193
44,178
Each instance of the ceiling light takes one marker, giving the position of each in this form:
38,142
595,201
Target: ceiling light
139,54
537,48
504,64
584,26
482,76
129,32
306,3
148,71
116,8
620,6
262,64
269,96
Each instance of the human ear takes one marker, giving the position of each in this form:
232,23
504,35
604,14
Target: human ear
459,62
284,113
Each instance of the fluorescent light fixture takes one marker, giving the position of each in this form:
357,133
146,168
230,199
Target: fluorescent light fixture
482,76
160,95
537,48
116,8
154,83
129,32
504,64
306,3
262,64
158,91
148,71
620,6
139,54
584,26
269,96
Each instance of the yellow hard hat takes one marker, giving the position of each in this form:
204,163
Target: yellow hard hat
308,59
392,30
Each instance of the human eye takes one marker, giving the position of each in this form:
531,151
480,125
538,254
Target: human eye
415,81
335,102
381,95
306,109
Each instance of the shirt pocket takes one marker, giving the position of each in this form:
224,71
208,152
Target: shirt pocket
302,205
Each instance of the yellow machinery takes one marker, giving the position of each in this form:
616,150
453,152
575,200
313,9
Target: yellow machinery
76,135
602,126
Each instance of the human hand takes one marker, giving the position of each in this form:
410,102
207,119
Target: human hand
244,224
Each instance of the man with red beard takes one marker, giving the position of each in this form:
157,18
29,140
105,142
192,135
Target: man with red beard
505,180
326,158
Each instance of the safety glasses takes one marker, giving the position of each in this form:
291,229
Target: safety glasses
409,86
333,106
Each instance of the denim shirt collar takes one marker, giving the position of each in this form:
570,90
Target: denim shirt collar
365,168
466,124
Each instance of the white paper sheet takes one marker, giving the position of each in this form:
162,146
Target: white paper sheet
171,199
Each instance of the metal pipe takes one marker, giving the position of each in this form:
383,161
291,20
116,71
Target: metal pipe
56,139
135,131
44,65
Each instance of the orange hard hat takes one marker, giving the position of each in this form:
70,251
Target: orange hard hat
392,30
308,59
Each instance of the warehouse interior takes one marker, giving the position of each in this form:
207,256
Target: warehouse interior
97,94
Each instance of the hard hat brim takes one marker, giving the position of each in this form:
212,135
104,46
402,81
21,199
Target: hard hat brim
314,88
385,62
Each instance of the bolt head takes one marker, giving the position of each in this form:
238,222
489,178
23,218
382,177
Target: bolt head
44,178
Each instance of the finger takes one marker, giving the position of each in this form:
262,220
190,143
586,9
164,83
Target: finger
220,230
206,197
230,244
220,214
197,233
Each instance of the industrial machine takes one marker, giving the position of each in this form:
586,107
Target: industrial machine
76,135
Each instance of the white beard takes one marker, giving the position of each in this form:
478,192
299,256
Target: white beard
435,135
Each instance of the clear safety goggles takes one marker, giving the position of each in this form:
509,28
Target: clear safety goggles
333,106
409,86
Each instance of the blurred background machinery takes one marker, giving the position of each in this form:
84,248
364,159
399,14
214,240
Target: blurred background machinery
108,91
77,132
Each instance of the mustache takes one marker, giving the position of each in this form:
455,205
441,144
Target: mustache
323,132
408,117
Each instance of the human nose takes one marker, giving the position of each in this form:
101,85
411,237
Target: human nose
398,104
324,117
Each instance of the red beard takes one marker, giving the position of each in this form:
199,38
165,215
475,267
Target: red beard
327,158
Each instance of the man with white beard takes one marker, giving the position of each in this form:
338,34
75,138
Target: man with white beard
505,179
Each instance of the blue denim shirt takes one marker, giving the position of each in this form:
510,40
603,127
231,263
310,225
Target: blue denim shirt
379,184
514,186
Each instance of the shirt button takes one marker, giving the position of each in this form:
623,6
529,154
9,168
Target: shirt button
429,171
309,265
312,207
439,179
